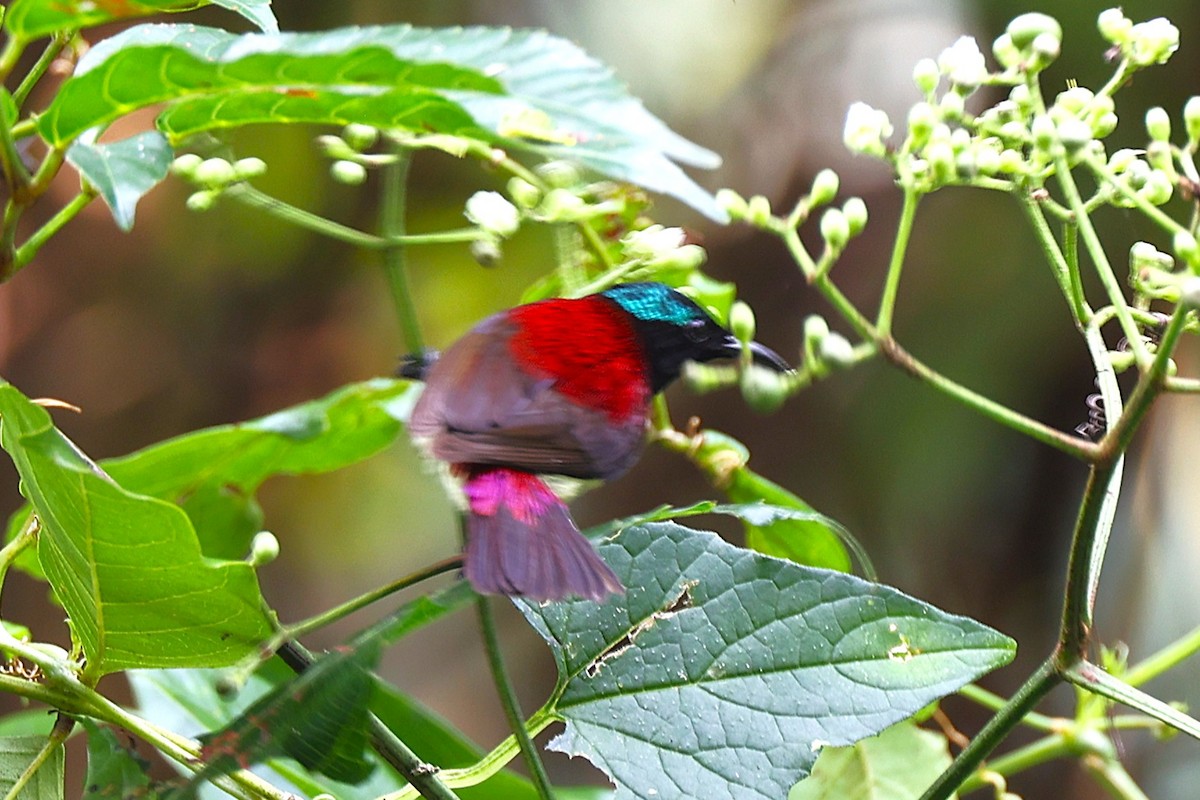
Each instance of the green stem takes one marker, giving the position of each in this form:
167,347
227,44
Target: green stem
241,783
571,275
887,304
1071,445
26,537
1064,262
1093,679
1087,551
53,48
1113,778
998,727
11,54
423,778
1031,755
508,699
995,702
1100,262
392,225
1156,214
487,766
1150,385
247,194
307,626
1165,659
26,252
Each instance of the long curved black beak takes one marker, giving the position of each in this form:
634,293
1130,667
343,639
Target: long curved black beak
759,354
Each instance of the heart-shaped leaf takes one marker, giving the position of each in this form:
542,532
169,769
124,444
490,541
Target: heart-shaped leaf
721,673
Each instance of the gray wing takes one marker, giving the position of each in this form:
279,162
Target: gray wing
478,407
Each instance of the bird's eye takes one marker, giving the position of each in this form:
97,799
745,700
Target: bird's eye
694,329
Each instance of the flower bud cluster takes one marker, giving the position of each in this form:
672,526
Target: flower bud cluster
1142,44
658,248
1020,136
213,176
347,151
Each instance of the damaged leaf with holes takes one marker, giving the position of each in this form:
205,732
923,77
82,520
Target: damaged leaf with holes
723,672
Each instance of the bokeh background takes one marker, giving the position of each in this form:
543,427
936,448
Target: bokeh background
200,319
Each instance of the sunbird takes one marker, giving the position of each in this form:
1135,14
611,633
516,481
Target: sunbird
559,387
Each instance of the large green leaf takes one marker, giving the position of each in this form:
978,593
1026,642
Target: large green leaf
319,718
16,753
31,19
127,567
122,171
214,473
187,701
524,89
721,673
898,764
113,770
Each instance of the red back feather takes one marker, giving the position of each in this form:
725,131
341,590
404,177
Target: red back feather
589,346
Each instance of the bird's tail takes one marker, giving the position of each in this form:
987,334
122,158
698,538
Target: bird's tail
521,540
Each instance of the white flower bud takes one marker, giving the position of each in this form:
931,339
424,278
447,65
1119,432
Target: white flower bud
866,130
926,76
1043,130
1046,48
824,188
1189,292
215,173
185,165
732,204
1007,53
741,321
835,229
1074,134
1191,118
1157,189
202,200
763,388
1114,25
264,548
1158,124
1025,29
360,136
837,351
758,210
963,63
1151,42
350,173
246,168
492,212
855,211
953,105
1185,246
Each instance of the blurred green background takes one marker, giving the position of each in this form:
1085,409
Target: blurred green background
199,319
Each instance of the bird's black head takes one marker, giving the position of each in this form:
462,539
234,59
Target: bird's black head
674,329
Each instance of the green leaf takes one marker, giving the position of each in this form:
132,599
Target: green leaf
487,82
17,753
898,764
122,171
127,567
721,672
113,771
214,473
32,19
319,719
807,538
187,701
